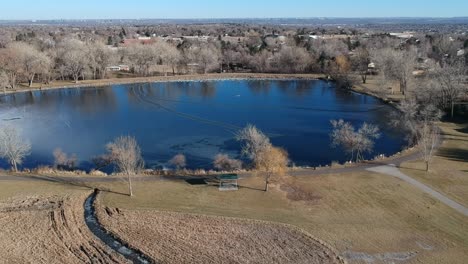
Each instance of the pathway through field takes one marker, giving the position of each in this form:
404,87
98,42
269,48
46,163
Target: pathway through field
394,171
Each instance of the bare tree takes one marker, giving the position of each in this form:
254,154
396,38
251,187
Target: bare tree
73,57
4,82
397,65
443,47
272,161
142,57
354,142
13,147
125,153
253,142
451,79
207,56
225,163
428,137
261,61
179,161
99,58
10,63
62,161
361,61
32,60
169,55
5,38
411,117
340,71
292,59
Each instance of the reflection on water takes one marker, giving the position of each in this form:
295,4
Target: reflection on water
194,118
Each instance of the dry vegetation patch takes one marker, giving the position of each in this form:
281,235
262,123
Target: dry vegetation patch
49,229
188,238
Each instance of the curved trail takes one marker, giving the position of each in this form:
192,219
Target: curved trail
395,172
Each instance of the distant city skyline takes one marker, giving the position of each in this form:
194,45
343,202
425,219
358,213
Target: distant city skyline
186,9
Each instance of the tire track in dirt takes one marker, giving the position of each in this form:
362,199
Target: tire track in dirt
49,230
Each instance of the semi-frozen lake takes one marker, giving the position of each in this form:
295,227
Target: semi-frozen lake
198,119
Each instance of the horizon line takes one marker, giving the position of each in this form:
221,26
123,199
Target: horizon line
237,18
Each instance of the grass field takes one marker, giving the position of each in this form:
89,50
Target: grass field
449,169
356,213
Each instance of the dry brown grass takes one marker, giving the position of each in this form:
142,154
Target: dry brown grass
188,238
48,228
374,87
358,212
449,169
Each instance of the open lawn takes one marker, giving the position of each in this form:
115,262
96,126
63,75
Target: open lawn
365,216
448,172
374,86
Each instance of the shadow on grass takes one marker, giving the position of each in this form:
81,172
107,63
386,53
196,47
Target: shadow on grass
456,139
454,154
411,168
463,130
251,188
71,182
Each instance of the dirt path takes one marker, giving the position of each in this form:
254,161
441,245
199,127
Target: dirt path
393,171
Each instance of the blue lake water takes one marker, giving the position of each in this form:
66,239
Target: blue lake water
198,119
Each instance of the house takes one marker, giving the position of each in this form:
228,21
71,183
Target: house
144,38
403,35
113,68
124,68
118,68
199,38
308,36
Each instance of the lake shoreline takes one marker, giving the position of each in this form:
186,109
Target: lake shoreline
195,77
201,78
175,78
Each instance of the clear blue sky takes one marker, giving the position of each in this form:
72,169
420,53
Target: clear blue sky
82,9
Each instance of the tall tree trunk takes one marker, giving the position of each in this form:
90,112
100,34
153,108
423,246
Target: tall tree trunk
403,87
267,179
130,190
31,80
15,166
452,108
